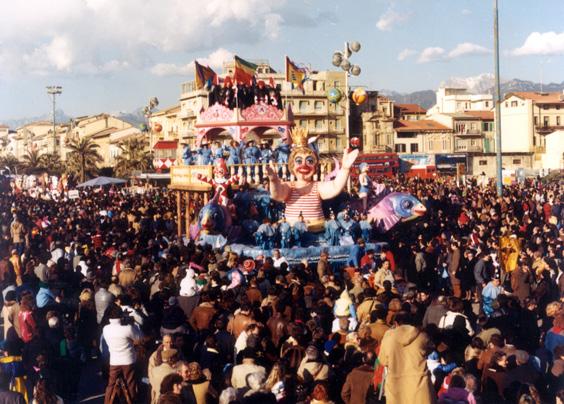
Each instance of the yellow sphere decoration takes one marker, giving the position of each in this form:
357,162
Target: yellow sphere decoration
359,96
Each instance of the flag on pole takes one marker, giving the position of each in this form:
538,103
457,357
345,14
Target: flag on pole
294,74
203,75
244,71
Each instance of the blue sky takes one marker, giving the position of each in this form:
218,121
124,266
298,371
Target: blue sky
113,55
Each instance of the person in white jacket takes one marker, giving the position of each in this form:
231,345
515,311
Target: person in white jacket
188,297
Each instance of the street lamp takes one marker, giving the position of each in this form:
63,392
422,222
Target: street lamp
497,101
53,91
148,111
341,59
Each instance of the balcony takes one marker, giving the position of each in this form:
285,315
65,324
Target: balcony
468,148
469,133
546,129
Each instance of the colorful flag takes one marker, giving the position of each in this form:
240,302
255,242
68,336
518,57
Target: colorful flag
294,74
203,74
244,71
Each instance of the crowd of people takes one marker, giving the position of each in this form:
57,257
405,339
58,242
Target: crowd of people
445,313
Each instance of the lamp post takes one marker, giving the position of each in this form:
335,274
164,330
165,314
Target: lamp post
341,59
53,91
148,111
497,123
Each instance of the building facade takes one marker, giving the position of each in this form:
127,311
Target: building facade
450,100
422,136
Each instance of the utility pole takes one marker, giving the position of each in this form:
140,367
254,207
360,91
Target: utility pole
53,91
497,123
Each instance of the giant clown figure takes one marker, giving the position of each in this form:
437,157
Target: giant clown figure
304,195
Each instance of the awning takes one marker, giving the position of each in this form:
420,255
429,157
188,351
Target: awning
166,145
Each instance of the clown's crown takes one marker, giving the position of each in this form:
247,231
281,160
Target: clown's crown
299,136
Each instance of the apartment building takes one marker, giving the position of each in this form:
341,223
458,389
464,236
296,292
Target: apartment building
422,136
450,100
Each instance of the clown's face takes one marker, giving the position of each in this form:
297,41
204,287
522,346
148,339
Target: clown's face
219,172
304,166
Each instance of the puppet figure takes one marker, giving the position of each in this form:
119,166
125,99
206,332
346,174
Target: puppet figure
220,182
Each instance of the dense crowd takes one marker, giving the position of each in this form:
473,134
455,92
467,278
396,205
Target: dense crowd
463,305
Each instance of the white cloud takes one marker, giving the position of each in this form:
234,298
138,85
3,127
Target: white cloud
406,53
214,60
390,18
431,54
96,36
545,43
467,48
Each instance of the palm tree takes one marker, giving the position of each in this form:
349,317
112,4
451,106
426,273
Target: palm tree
32,160
52,162
83,156
134,157
11,162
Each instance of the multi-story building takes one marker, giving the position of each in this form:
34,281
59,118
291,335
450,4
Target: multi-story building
409,112
38,136
450,100
526,119
378,127
472,130
422,136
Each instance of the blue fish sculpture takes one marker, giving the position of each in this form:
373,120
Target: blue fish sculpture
393,208
213,217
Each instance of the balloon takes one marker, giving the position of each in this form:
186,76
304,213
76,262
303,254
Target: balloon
359,96
143,127
355,142
158,127
355,46
334,95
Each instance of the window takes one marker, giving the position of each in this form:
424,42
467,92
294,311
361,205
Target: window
483,162
413,148
516,161
557,121
487,104
318,124
545,121
506,104
336,84
400,148
338,124
303,106
303,123
536,121
318,105
445,144
514,103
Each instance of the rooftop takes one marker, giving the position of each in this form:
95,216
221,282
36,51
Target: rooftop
411,108
423,125
538,97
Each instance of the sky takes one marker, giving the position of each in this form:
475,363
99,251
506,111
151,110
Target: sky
113,55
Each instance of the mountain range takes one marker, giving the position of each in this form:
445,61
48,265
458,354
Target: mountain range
483,83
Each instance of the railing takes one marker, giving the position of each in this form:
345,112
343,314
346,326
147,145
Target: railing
469,132
255,174
468,148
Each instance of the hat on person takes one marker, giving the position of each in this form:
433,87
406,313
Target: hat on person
168,354
10,296
249,265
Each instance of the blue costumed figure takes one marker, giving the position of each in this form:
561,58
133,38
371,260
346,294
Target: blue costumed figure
217,152
299,230
365,227
332,230
187,155
204,155
285,231
266,153
265,235
347,227
251,155
281,154
234,153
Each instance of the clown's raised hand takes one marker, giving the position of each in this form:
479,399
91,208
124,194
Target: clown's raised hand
349,158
